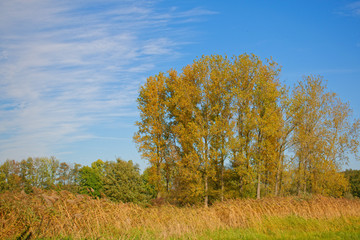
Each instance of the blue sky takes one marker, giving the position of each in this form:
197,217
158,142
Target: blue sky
70,70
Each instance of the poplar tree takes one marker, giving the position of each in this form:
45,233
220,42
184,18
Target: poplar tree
324,136
220,111
243,71
153,133
183,95
257,116
267,121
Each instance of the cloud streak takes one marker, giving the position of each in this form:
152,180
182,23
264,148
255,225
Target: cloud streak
351,9
66,67
354,8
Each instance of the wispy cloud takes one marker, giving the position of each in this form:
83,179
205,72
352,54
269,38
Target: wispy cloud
354,8
351,9
66,66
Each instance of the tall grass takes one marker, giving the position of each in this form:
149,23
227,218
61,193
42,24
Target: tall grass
62,214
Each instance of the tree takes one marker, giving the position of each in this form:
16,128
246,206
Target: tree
149,188
91,178
284,140
10,176
219,110
324,136
257,117
38,172
267,119
196,114
243,71
122,182
74,178
152,138
354,181
222,127
200,112
63,174
28,174
182,96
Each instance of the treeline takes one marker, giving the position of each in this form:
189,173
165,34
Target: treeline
117,180
221,129
227,128
354,182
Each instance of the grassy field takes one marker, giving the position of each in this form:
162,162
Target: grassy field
62,215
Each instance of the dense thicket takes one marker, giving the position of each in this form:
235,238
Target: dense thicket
225,128
44,173
117,180
354,181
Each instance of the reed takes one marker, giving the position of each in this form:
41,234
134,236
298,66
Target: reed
50,214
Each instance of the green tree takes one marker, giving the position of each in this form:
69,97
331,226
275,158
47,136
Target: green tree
122,182
10,176
91,179
353,177
27,174
63,175
148,186
74,178
47,169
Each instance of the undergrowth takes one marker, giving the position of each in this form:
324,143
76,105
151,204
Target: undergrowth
63,215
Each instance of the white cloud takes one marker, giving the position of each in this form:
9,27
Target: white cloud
354,8
66,66
351,9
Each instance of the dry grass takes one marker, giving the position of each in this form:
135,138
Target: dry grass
56,215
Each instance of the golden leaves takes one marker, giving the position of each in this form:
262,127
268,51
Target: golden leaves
220,110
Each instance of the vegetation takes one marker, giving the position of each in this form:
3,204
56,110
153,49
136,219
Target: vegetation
227,128
221,130
354,181
118,181
63,215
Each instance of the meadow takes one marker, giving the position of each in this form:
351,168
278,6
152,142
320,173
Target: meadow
64,215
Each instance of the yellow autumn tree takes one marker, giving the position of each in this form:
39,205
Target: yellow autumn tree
201,117
257,119
224,128
152,137
243,70
324,136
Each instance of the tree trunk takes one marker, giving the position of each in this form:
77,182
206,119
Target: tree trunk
305,176
167,185
206,202
158,172
278,173
299,178
258,164
280,183
276,192
222,181
258,186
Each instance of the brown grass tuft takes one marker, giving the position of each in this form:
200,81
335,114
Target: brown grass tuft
53,214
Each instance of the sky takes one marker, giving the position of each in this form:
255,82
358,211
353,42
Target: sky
70,70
